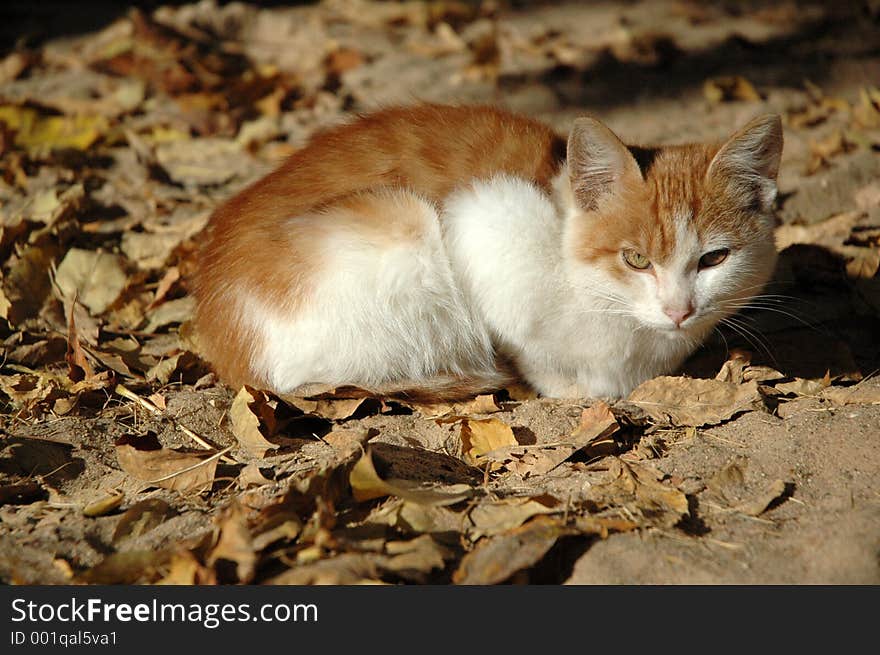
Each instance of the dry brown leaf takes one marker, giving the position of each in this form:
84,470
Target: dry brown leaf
203,162
367,485
725,89
185,569
801,387
79,367
651,494
418,518
142,517
496,559
637,488
867,112
453,412
167,313
733,369
344,569
859,394
682,401
830,233
145,459
95,279
234,545
245,422
480,438
602,526
759,504
594,431
105,505
416,558
824,149
26,282
127,567
493,517
251,476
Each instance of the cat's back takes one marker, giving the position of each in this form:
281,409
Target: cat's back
428,149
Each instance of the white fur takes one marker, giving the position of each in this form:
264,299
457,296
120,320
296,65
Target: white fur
492,274
375,313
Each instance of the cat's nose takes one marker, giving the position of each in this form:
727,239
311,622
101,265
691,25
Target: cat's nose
678,314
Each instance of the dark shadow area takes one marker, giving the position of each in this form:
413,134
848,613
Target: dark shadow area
415,464
52,460
557,565
692,523
33,23
812,319
848,31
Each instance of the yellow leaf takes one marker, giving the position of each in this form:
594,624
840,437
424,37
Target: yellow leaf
481,437
39,133
367,485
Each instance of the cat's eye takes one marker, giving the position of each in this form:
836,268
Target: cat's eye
714,258
636,260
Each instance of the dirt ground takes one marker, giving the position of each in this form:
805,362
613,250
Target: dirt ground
123,460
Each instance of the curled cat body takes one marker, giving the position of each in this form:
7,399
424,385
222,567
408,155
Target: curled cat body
440,251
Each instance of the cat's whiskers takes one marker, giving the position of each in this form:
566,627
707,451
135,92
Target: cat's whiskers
751,335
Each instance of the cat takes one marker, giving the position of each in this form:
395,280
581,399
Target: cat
442,251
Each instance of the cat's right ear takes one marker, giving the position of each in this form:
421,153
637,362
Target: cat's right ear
598,162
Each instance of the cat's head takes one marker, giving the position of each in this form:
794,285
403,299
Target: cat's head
679,236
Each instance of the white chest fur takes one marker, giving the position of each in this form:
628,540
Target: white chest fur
568,333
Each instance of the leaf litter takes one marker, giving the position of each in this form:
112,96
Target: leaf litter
117,146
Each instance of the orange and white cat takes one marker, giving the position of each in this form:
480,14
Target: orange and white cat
440,250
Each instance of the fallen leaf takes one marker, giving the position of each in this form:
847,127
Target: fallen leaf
759,504
859,394
39,133
493,517
831,232
682,401
127,567
167,313
344,569
280,526
251,476
725,89
245,422
95,279
480,438
638,488
142,517
495,559
867,112
185,569
801,387
105,505
367,485
415,559
234,545
145,459
419,518
203,162
79,367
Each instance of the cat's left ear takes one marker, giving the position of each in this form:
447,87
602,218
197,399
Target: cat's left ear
599,164
749,162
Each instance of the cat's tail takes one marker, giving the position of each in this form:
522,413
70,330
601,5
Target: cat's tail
437,389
